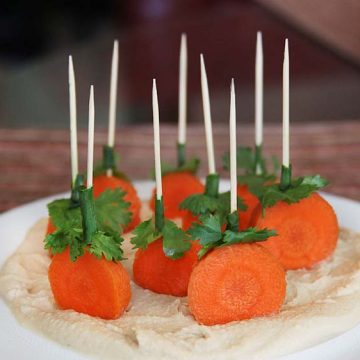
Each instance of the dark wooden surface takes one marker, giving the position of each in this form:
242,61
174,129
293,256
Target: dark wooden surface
35,163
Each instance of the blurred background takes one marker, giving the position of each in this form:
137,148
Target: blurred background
36,38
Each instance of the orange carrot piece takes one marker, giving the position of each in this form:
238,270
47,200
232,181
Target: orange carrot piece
50,227
188,219
251,201
156,272
103,182
234,283
177,186
89,285
307,231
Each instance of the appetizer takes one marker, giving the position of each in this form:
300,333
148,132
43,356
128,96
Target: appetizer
62,209
84,273
166,255
210,201
107,175
179,181
236,279
306,223
252,163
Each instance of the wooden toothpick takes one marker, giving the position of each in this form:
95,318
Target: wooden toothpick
155,105
113,98
182,90
259,81
207,117
233,164
90,158
73,126
286,134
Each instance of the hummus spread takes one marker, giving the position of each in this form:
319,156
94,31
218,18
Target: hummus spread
320,304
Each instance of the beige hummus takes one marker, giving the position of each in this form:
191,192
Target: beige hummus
320,304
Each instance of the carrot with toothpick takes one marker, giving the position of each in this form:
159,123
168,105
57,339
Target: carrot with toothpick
107,175
166,255
235,278
112,208
306,223
179,181
84,273
76,178
210,201
252,163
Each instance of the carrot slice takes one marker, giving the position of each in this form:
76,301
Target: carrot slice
177,186
89,285
103,182
307,231
251,201
236,282
156,272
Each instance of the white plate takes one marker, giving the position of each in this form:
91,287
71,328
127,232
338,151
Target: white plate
19,343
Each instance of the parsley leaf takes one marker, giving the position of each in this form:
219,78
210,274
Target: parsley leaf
61,212
210,235
299,188
175,241
62,238
145,234
107,245
208,231
112,210
111,214
247,236
202,204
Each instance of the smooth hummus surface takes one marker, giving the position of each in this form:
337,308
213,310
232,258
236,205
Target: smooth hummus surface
320,304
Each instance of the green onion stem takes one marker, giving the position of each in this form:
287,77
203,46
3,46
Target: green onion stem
108,160
87,207
159,214
212,185
181,154
285,180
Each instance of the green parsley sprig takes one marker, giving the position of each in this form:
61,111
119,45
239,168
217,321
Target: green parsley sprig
290,190
175,241
210,234
94,224
210,202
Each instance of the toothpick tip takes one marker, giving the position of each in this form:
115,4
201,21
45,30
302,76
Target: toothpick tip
202,63
286,49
